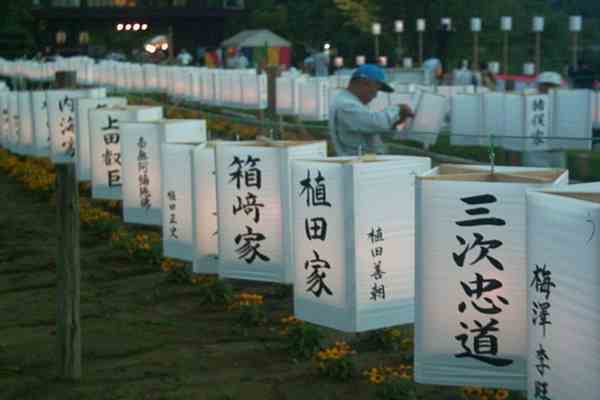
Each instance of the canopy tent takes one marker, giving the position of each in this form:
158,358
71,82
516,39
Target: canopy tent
260,44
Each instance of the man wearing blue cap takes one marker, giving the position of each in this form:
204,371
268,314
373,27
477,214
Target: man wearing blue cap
353,127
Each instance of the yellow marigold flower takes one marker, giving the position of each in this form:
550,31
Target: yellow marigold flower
377,379
502,394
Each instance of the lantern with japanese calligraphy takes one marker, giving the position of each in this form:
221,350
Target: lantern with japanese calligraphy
105,146
353,229
41,129
82,124
471,325
563,283
61,118
141,171
25,124
254,207
177,218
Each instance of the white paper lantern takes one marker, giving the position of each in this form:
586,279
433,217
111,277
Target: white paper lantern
575,23
354,263
254,207
314,104
140,146
4,119
41,127
177,199
26,144
13,122
204,210
105,146
447,22
407,62
61,118
475,24
285,95
506,24
420,25
529,69
466,120
430,110
494,67
360,60
338,62
572,116
399,26
563,283
376,28
82,128
253,90
471,323
538,24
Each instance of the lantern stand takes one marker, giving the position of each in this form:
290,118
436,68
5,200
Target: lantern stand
506,27
475,28
420,29
399,28
68,326
376,30
505,52
575,28
538,28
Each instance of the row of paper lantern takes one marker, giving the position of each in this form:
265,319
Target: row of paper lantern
562,119
501,283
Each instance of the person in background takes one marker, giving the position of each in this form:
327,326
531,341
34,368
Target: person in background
488,79
184,58
433,70
547,81
353,127
463,76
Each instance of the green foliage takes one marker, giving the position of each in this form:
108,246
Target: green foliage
216,292
251,315
396,389
303,340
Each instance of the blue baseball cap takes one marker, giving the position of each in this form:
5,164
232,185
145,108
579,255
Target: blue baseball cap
373,73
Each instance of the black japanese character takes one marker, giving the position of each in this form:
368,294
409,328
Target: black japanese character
250,207
376,235
477,200
112,124
249,250
252,176
484,344
315,228
377,292
484,249
315,195
542,357
542,279
316,280
541,391
541,315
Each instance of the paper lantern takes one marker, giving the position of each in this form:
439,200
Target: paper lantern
338,62
82,127
61,118
494,67
140,145
254,91
4,119
105,146
177,199
407,62
506,23
41,129
383,61
13,122
254,207
26,144
354,263
563,292
529,69
376,28
471,325
538,24
475,24
572,117
204,210
466,120
285,95
575,23
312,94
399,26
360,60
447,22
430,110
420,25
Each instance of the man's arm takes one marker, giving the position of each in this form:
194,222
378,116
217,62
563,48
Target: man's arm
367,122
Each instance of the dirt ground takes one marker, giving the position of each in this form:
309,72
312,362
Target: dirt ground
144,338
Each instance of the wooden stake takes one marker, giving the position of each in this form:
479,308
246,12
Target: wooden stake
68,327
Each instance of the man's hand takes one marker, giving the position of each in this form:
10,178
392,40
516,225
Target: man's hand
404,115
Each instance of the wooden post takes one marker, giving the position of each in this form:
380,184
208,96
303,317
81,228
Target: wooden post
273,72
574,60
538,52
505,55
476,51
171,45
68,327
420,48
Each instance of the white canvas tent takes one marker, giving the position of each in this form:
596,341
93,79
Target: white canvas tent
255,38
